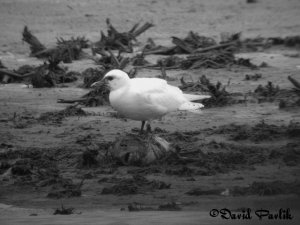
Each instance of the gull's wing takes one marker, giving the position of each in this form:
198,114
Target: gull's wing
158,94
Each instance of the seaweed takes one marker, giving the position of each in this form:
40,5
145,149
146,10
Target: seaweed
108,60
58,116
65,50
268,91
122,41
135,185
35,45
218,93
64,211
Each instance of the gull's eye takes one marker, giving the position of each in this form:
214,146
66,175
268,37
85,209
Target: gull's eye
110,78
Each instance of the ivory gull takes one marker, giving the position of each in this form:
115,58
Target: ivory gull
145,99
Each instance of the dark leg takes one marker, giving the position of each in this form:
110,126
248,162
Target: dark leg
148,128
142,127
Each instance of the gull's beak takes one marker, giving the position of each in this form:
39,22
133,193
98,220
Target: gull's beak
99,83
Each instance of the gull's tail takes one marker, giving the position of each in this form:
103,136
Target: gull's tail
191,97
191,107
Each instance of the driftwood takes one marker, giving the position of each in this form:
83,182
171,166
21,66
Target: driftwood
215,47
71,100
13,74
180,43
187,45
7,75
295,83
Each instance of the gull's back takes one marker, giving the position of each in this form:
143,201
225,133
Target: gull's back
146,98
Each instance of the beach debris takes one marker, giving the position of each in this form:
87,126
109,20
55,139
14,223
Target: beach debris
267,188
91,75
296,83
88,159
133,149
267,91
190,44
135,185
171,206
253,77
218,93
57,116
64,211
66,189
122,41
34,43
108,60
65,50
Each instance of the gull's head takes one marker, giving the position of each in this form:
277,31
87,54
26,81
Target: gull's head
114,79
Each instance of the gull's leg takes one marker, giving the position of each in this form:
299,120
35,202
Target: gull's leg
148,127
142,127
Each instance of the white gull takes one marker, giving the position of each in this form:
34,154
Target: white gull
145,99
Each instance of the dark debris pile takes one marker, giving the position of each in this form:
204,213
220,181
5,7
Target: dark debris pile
136,185
260,131
49,74
65,50
214,59
256,188
170,206
267,188
38,168
190,44
218,93
122,41
108,60
57,116
290,99
286,98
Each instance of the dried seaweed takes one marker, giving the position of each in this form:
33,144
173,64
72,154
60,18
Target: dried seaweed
88,159
109,61
63,211
260,131
2,65
21,74
50,74
267,188
132,149
253,77
122,41
97,96
172,206
65,50
58,116
268,91
35,45
296,84
210,59
91,75
292,99
218,93
139,60
135,185
190,44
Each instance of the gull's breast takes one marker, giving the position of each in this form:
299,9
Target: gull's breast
132,106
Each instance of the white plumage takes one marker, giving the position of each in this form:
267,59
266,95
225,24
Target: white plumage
146,99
